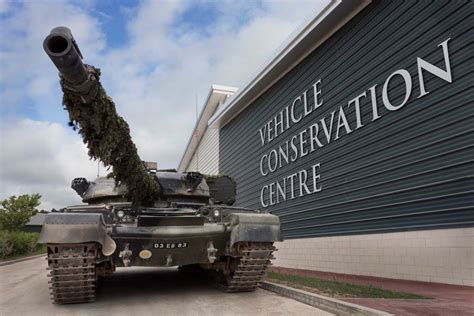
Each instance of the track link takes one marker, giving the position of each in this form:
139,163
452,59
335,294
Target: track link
72,274
250,269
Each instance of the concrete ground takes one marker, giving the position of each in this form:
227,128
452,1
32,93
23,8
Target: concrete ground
138,291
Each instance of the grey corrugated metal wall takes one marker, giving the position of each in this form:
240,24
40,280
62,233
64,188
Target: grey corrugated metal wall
410,169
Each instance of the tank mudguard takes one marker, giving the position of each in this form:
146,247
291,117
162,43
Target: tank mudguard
73,228
254,227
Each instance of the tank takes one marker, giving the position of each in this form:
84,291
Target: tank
138,215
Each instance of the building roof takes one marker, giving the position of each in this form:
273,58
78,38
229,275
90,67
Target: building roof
217,95
36,220
300,44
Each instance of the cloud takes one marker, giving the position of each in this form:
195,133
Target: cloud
5,6
27,79
153,78
42,157
162,69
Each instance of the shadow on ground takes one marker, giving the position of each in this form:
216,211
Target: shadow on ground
152,282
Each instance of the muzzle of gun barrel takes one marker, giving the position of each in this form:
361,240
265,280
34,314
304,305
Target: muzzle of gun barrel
61,47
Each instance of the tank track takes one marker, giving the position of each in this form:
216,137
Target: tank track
250,269
72,272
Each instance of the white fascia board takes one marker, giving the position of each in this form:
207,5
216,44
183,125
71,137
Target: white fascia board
299,45
217,88
216,95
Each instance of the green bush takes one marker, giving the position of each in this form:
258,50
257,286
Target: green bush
6,244
17,243
16,211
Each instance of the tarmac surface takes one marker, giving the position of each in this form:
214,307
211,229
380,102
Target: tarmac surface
138,291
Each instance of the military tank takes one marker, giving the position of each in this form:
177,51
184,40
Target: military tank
138,215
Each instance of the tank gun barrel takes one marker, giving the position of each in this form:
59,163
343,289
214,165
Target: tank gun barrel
106,134
61,47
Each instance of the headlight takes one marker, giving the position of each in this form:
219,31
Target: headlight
120,214
216,213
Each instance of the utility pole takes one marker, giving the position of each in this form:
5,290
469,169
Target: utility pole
196,133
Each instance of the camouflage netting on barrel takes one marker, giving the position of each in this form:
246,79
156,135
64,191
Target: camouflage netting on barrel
107,136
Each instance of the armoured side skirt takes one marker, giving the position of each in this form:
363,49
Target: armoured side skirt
76,228
169,246
254,227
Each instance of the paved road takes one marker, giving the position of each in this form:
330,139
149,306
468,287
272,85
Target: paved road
137,292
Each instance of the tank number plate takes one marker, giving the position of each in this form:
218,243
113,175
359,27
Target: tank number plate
170,245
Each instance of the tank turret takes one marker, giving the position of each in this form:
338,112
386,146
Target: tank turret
93,113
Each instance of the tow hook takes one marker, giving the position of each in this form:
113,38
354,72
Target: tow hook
169,260
125,254
211,252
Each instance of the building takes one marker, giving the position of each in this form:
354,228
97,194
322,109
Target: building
205,141
359,135
35,223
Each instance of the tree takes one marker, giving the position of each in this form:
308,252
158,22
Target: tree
17,211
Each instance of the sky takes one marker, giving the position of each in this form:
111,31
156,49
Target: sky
155,56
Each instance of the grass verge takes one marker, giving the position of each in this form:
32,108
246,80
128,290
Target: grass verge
39,251
17,244
337,288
